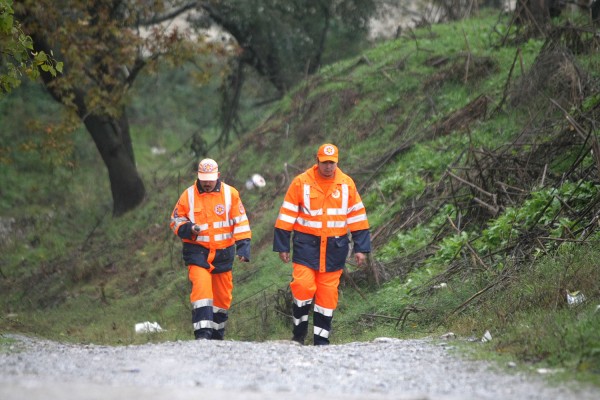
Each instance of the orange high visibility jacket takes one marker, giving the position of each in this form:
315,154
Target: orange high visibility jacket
224,226
320,222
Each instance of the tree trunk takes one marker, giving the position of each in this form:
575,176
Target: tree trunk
112,138
113,141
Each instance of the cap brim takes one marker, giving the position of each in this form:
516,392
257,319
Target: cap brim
212,176
328,158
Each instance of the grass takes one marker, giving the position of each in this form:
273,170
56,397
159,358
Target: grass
71,272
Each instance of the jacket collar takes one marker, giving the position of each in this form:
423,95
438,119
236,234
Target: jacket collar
216,189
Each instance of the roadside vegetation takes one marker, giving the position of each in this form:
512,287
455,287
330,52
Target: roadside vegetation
477,156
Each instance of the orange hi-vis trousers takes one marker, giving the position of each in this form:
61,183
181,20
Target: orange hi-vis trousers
211,298
308,284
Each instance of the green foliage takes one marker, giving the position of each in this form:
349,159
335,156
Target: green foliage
17,55
379,109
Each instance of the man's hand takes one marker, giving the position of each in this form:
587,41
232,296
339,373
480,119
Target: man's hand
243,259
196,229
285,257
360,258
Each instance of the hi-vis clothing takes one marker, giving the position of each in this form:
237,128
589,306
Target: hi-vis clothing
224,226
209,254
321,221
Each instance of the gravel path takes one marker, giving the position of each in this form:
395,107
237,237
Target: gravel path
382,369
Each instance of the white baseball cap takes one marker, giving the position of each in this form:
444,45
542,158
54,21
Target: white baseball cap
208,170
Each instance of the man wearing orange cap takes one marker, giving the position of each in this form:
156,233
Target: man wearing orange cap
320,207
212,223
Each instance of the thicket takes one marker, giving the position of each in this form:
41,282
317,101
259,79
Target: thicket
477,159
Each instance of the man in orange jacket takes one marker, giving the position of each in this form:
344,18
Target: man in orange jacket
212,223
320,207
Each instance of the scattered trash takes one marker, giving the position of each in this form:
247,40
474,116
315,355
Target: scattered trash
449,335
511,364
545,371
597,308
157,151
147,327
255,181
574,298
440,286
487,336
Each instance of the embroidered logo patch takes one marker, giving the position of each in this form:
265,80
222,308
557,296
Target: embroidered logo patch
219,209
329,150
242,210
336,194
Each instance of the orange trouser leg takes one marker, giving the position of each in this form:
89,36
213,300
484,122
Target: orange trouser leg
326,300
201,298
222,289
323,286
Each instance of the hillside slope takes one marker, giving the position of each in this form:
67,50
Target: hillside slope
474,157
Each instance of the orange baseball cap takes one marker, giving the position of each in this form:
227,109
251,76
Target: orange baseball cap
328,152
208,170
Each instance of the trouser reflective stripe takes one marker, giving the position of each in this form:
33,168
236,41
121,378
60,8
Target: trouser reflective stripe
322,318
211,298
300,310
220,317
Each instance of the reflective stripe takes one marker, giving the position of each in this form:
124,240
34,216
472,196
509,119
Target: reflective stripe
221,224
313,213
239,219
302,303
203,227
289,206
217,327
202,303
321,332
190,193
223,236
240,229
227,195
202,324
328,312
309,224
336,224
306,195
287,218
219,310
202,238
356,207
358,218
336,211
298,321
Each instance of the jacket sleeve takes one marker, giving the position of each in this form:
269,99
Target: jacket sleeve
242,248
362,241
281,240
290,208
239,218
180,222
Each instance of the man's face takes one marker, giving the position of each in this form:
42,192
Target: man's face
208,186
327,168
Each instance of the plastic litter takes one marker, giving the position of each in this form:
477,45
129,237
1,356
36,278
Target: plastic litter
148,327
255,181
574,298
487,336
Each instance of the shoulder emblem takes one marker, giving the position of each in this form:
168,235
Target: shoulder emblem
219,209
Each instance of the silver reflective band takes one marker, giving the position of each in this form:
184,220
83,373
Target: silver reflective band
289,206
286,218
202,303
302,303
297,321
203,324
336,224
328,312
321,332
